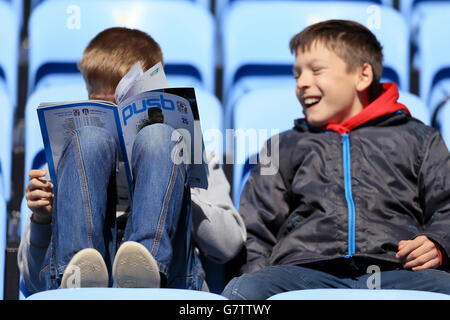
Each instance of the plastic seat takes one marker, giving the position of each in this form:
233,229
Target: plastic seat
359,294
124,294
211,120
9,53
204,3
3,217
259,115
433,60
185,31
443,122
221,5
416,106
6,133
256,35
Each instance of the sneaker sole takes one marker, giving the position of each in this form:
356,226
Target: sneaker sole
135,267
87,269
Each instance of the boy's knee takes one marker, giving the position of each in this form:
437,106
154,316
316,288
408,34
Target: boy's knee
245,287
95,139
157,138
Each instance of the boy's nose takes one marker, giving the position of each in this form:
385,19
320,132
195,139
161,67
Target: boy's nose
303,81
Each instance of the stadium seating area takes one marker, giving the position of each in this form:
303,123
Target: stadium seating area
233,52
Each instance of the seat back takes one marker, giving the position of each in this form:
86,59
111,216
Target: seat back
3,217
6,133
256,35
433,58
57,44
124,294
416,106
442,122
259,115
9,53
359,294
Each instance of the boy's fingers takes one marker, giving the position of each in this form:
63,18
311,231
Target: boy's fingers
410,245
37,173
432,264
38,194
426,260
39,184
36,204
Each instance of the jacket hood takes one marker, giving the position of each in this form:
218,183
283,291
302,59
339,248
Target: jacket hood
384,105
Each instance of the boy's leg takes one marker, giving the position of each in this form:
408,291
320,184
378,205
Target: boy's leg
159,194
426,280
84,207
272,280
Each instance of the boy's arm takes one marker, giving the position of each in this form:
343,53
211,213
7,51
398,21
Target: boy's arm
218,229
434,184
264,207
32,249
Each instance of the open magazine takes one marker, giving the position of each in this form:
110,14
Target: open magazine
140,97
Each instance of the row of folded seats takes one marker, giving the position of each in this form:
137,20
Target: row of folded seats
249,40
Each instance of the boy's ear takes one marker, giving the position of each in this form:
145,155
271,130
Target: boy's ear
365,77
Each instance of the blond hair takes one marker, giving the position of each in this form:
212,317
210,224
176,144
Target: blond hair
112,53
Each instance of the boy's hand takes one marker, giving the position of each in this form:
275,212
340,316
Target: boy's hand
39,197
418,254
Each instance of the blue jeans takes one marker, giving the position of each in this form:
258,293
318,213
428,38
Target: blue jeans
84,211
269,281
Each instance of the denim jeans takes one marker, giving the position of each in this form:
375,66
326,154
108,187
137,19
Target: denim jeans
84,210
269,281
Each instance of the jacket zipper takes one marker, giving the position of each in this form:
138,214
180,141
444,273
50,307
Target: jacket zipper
348,194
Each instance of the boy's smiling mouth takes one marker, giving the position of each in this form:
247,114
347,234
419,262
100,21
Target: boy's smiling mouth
310,101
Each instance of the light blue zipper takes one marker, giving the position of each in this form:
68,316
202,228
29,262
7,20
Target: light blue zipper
348,194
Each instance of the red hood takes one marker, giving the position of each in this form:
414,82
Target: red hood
385,104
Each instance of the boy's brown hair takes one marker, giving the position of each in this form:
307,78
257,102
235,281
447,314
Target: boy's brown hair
112,53
351,41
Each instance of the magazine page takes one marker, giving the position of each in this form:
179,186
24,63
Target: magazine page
58,120
136,82
127,81
176,107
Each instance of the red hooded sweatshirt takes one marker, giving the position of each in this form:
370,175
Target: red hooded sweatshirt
385,104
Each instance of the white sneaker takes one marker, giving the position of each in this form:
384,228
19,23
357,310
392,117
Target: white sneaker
86,269
135,267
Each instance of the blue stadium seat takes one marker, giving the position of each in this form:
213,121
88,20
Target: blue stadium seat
9,53
433,60
359,294
3,217
222,5
6,133
211,120
124,294
443,122
416,106
204,3
256,41
270,110
57,45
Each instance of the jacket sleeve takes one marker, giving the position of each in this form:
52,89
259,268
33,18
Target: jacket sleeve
218,229
32,249
264,207
434,184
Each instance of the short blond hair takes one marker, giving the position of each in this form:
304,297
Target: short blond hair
112,53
